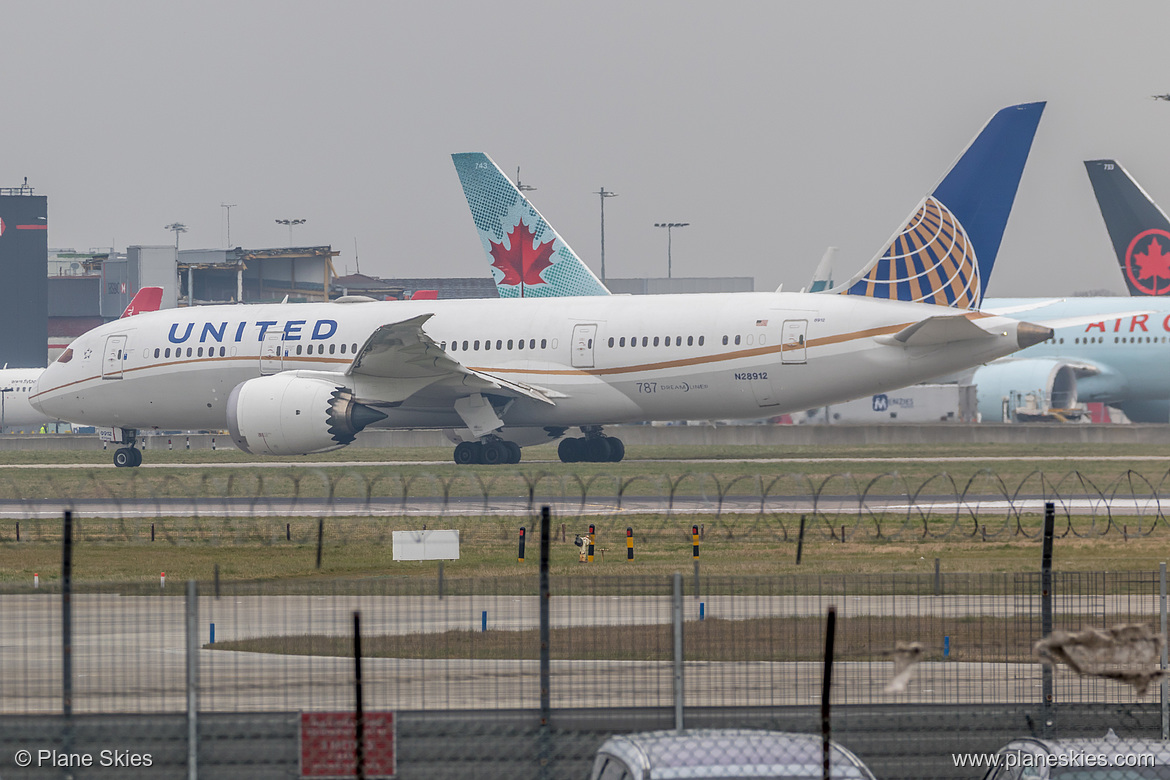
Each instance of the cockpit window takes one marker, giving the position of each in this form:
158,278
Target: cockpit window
66,356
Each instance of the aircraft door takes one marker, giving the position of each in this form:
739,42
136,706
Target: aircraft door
114,355
792,341
583,336
272,353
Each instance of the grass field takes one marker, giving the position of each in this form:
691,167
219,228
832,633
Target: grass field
731,545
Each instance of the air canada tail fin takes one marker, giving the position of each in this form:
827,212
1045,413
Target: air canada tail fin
945,252
146,299
1138,228
528,258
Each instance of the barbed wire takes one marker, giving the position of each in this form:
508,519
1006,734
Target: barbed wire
267,507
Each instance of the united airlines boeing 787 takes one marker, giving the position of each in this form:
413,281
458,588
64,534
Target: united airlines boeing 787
501,374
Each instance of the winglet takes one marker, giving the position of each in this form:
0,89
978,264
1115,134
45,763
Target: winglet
528,258
946,250
146,299
1138,228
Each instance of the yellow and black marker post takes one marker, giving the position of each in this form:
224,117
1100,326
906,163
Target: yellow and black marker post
592,536
629,544
521,557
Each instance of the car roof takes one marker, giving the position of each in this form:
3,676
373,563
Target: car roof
675,754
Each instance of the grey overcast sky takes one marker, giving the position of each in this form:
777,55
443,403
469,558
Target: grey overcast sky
775,128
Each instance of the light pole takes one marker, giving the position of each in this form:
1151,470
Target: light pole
669,226
228,208
603,195
290,223
178,227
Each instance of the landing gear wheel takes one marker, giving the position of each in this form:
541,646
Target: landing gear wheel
597,450
467,453
495,453
617,450
137,457
513,452
124,457
570,450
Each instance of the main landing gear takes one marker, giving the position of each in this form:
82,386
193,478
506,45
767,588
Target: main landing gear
594,448
491,452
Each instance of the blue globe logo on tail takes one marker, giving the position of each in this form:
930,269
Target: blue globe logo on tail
930,261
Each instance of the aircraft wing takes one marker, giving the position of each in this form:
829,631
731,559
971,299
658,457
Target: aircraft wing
404,354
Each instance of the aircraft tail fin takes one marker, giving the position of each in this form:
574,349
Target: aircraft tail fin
945,251
823,276
1138,228
528,258
146,299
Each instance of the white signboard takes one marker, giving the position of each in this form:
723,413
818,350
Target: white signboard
426,545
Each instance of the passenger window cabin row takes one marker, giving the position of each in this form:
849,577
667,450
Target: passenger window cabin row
300,349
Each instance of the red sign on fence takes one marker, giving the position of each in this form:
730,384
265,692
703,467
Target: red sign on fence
329,742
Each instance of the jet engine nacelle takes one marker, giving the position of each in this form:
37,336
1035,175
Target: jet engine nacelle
1007,384
295,413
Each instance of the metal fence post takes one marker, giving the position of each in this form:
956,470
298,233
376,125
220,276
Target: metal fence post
545,745
67,630
800,541
826,693
677,621
320,539
359,716
1162,610
1046,610
192,681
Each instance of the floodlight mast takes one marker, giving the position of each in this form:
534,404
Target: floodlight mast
604,194
669,226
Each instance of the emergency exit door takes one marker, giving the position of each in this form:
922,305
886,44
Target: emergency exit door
115,354
583,336
792,341
272,353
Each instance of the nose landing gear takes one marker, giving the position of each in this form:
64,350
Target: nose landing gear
124,457
127,457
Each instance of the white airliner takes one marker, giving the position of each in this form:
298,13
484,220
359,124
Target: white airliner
16,384
293,379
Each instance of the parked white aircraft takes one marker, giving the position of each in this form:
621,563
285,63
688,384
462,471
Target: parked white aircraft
504,373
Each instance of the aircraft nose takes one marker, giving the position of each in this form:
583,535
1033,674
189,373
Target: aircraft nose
1028,334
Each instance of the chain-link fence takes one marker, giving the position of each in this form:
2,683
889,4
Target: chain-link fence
487,677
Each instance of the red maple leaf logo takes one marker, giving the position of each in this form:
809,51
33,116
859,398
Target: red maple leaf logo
522,264
1153,262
